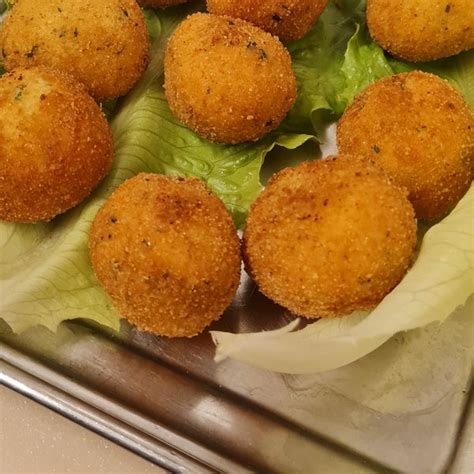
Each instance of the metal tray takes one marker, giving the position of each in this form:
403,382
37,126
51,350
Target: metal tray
405,407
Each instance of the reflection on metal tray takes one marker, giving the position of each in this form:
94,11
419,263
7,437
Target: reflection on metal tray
401,408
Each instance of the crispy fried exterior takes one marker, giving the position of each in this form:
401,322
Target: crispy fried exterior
161,3
329,237
226,79
289,20
167,253
55,144
104,44
422,30
421,131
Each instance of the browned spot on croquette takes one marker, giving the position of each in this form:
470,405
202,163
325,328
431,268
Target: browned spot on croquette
92,40
329,237
173,267
55,144
422,30
226,79
419,130
289,19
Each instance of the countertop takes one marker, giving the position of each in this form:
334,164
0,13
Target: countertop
34,439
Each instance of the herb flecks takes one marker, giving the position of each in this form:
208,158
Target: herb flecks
31,53
19,92
262,55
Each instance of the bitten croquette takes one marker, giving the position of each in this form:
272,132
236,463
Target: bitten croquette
104,44
226,79
422,30
289,20
419,129
167,253
329,237
55,144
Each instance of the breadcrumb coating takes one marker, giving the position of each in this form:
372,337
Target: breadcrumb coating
226,79
329,237
289,20
55,144
161,3
167,253
104,44
422,30
420,130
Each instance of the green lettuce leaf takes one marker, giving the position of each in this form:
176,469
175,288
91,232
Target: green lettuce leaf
317,62
337,59
45,272
364,63
441,279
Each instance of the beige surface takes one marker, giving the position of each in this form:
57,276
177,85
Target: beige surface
34,439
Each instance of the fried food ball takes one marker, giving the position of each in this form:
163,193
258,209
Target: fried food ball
55,144
226,79
289,20
173,267
103,44
419,130
161,3
329,237
422,30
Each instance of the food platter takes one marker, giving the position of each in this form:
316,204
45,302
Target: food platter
404,407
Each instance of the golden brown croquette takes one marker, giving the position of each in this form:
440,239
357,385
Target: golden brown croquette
55,144
104,44
329,237
422,30
226,79
289,20
161,3
419,130
167,253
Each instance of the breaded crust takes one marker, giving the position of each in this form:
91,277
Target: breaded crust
419,129
422,30
55,144
161,3
104,44
329,237
226,79
167,253
289,20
